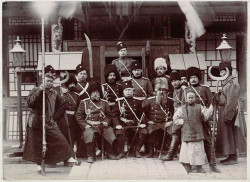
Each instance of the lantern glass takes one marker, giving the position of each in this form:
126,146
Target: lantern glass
225,54
18,58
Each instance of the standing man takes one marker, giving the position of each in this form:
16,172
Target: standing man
58,148
228,103
130,115
183,75
203,97
142,86
83,84
123,63
94,117
175,80
158,109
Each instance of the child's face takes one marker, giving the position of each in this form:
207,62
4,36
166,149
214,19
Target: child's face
190,98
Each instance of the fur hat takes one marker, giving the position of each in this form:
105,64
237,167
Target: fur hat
127,84
111,68
160,62
174,76
225,64
136,65
182,73
120,45
193,71
80,68
72,79
49,69
93,86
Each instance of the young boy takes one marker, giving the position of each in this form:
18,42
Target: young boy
190,116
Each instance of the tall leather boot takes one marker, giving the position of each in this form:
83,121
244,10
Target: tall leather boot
121,143
91,152
141,141
175,142
109,148
151,150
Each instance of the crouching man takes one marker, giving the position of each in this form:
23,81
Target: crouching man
94,117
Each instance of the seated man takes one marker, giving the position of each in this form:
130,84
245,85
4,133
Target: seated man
94,117
58,149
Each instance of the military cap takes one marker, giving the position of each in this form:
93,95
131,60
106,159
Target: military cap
225,64
95,86
80,68
136,65
174,76
120,45
111,68
127,84
183,73
49,69
193,71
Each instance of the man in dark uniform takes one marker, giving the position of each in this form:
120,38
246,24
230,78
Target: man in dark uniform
123,63
72,101
58,148
158,109
175,80
83,84
142,86
94,117
131,117
203,97
183,75
228,103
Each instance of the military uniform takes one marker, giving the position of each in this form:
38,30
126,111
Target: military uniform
93,114
82,90
123,66
111,92
130,113
142,88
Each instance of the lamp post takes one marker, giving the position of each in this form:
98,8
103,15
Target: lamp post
225,49
18,57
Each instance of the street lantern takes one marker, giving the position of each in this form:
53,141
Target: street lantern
225,49
17,54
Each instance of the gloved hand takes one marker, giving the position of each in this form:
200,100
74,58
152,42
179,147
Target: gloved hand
119,127
142,125
216,98
168,124
105,123
151,122
87,126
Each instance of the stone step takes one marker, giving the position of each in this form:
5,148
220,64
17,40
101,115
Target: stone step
16,160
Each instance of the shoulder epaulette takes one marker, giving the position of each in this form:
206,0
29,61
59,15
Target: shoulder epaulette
104,100
104,84
145,78
136,98
86,99
119,84
120,98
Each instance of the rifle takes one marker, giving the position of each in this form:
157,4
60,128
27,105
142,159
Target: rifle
43,115
132,143
164,135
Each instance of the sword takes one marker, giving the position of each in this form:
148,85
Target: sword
90,56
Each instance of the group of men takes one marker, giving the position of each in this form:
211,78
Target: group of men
126,113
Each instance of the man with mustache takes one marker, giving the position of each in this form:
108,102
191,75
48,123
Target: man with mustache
94,117
157,110
83,84
142,86
123,63
203,97
183,75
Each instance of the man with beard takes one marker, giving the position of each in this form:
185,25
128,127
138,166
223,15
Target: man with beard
175,80
142,86
72,101
228,102
131,117
83,84
94,117
158,110
123,63
58,148
203,97
183,75
111,89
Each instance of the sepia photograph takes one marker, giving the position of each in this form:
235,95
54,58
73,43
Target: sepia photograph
124,90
